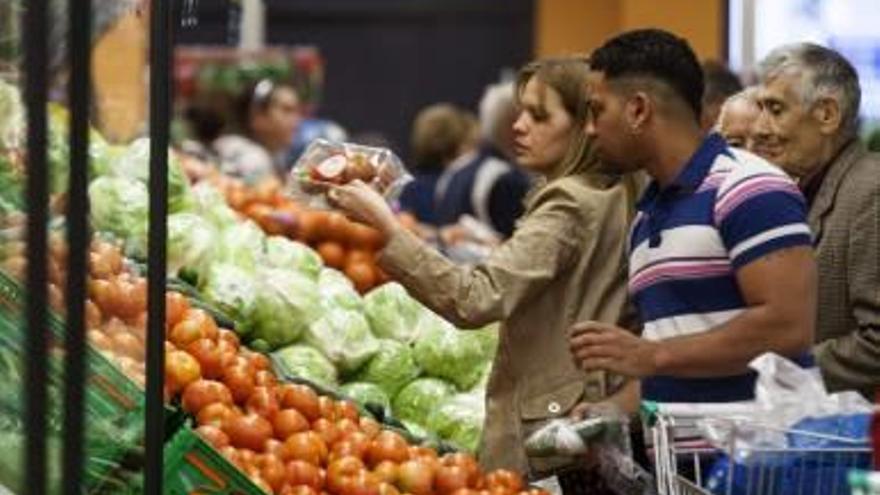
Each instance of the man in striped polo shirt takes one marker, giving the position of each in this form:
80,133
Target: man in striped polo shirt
721,267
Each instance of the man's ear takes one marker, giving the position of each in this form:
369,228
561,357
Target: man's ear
638,111
828,115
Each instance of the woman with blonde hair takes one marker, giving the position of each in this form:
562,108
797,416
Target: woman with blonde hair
564,263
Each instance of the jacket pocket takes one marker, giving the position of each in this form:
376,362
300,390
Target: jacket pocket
556,402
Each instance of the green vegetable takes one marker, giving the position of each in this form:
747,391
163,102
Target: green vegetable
393,313
120,206
417,401
286,304
241,244
306,362
210,204
460,420
12,116
344,337
391,368
134,163
233,290
337,291
366,393
58,152
190,239
446,352
290,255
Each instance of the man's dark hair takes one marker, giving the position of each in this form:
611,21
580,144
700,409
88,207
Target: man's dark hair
657,55
721,83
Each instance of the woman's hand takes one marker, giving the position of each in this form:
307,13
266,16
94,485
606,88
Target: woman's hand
362,203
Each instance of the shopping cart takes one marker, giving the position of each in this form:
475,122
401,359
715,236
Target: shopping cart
686,463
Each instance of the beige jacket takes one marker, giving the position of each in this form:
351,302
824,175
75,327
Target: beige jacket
845,219
563,264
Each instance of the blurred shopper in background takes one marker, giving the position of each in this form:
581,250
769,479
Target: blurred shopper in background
720,258
720,84
809,98
268,114
483,183
564,263
737,117
441,134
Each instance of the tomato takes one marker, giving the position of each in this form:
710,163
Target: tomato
346,427
241,382
387,489
200,393
137,295
213,435
388,446
466,461
370,427
328,431
359,256
257,478
365,483
362,275
215,414
305,446
258,360
274,472
341,472
347,448
298,490
332,253
265,378
505,480
347,409
232,455
364,237
128,304
205,352
249,431
415,477
301,398
422,452
263,402
93,315
205,321
275,447
225,335
386,471
181,369
106,296
336,227
228,352
99,340
176,305
304,473
127,344
450,478
186,332
287,422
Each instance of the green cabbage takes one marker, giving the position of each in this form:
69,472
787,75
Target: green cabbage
241,244
120,206
417,401
344,337
393,313
134,163
391,368
233,290
446,352
12,116
290,255
190,239
306,362
460,420
366,393
286,304
209,203
337,291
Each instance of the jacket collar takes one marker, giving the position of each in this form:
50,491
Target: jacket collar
834,176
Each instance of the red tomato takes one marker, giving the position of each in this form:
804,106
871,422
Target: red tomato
275,447
450,478
186,332
327,430
370,427
176,305
304,473
263,402
298,490
386,471
388,446
466,461
213,435
241,382
505,480
287,422
200,393
347,409
249,432
301,398
327,408
305,446
274,472
215,414
416,477
230,337
341,472
206,353
181,369
265,378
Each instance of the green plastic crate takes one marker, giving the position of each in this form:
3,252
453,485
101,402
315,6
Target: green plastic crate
193,467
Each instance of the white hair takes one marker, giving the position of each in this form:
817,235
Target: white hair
496,105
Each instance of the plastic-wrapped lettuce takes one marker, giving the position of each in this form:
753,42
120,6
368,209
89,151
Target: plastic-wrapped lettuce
134,163
449,353
344,337
421,398
366,393
391,368
119,206
286,304
460,420
337,291
306,362
393,313
290,255
233,290
12,116
242,244
190,239
210,204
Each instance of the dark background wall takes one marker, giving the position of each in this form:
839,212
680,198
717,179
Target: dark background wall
386,59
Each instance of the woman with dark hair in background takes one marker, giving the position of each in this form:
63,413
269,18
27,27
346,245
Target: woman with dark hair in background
563,263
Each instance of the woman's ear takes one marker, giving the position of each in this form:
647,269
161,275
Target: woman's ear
828,115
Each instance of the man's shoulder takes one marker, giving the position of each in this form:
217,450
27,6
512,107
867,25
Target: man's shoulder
863,177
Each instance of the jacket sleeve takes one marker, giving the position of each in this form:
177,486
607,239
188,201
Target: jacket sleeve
853,360
548,241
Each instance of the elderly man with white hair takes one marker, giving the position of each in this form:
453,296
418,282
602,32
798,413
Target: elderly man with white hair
809,100
736,118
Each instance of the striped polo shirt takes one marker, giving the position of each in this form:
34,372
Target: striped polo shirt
726,209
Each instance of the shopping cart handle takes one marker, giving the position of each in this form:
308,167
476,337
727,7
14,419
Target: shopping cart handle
649,411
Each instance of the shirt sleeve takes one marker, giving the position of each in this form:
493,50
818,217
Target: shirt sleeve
506,201
548,242
759,213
